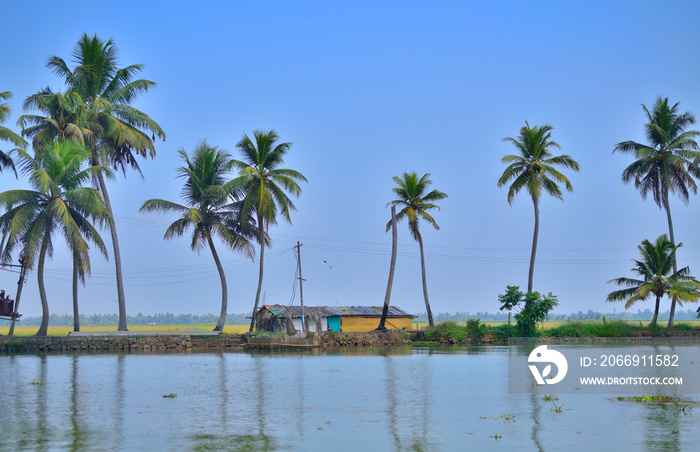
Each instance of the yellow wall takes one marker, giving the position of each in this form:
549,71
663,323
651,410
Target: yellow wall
364,324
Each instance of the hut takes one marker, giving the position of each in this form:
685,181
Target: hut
287,319
7,307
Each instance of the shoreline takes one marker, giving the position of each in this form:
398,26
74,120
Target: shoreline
210,341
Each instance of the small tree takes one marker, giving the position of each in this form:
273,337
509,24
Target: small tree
533,308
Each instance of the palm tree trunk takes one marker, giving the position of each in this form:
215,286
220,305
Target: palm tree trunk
673,241
656,311
425,284
43,328
76,314
392,266
117,256
224,290
531,273
260,279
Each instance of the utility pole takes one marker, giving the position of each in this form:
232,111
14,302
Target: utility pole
20,283
304,326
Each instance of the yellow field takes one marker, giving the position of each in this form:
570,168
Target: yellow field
30,330
557,323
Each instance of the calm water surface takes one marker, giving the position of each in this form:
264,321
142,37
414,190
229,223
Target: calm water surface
348,399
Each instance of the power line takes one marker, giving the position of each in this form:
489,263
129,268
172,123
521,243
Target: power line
155,223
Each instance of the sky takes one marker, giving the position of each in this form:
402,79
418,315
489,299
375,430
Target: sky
366,91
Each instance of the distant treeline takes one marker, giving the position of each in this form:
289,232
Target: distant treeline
139,319
186,319
647,314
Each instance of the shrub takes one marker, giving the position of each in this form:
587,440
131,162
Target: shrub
449,331
475,329
614,328
573,329
503,332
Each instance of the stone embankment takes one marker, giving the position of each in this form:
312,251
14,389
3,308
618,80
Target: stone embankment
372,338
325,339
146,341
121,341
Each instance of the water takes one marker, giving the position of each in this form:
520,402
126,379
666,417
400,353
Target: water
347,399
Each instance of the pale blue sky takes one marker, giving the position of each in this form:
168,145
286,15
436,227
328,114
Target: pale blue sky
366,91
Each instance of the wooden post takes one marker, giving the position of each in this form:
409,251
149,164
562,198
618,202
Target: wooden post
20,283
304,325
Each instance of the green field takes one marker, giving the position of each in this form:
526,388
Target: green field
422,325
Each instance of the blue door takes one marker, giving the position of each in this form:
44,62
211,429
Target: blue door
334,323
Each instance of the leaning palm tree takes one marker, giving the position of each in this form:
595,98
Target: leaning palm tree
668,163
207,210
415,204
262,186
59,202
8,135
392,267
657,277
117,132
533,169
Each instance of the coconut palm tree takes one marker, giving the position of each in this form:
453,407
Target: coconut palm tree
533,169
668,163
208,210
392,267
657,277
262,186
415,204
8,135
117,132
62,117
59,202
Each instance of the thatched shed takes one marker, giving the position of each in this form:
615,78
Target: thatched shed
287,319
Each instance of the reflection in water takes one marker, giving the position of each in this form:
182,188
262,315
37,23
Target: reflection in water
393,402
235,443
662,421
78,435
408,403
263,441
536,427
223,380
338,400
300,394
119,400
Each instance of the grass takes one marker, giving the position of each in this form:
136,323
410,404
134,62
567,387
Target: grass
458,332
